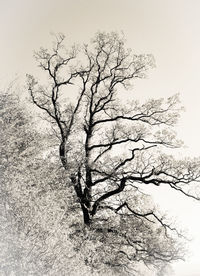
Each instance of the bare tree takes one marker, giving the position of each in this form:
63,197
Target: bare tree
109,148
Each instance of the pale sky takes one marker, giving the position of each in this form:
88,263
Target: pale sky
169,29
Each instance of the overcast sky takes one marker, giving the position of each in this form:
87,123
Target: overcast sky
169,29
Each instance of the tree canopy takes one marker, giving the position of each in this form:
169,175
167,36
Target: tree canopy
109,148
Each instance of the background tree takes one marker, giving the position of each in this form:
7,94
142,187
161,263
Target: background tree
110,148
34,199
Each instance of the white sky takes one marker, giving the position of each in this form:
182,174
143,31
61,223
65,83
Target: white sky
169,29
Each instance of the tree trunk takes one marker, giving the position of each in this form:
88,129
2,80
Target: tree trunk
62,152
86,215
